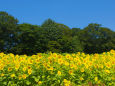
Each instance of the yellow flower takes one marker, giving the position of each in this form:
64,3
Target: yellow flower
24,76
66,82
1,67
24,69
107,71
60,61
1,54
86,66
19,77
55,55
99,82
17,56
40,82
37,60
59,56
81,78
59,73
113,78
82,70
29,67
96,79
0,61
12,55
75,67
9,69
101,66
29,71
108,65
67,56
2,74
12,75
66,63
17,66
70,72
51,68
30,61
72,65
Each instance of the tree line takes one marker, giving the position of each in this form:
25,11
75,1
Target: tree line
52,36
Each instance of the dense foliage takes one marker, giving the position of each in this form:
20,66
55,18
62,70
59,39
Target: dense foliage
51,36
55,69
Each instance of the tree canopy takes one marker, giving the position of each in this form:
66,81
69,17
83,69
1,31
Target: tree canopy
52,36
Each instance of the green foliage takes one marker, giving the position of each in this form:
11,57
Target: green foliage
52,36
26,39
75,31
76,44
7,31
54,46
97,39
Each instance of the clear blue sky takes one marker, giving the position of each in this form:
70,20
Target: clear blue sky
73,13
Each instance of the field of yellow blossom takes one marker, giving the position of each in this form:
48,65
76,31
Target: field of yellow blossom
55,69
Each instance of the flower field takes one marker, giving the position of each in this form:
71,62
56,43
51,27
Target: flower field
54,69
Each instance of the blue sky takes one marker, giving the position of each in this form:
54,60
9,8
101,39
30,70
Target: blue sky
73,13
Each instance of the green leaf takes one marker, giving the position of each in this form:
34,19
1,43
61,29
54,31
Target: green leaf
1,79
33,77
36,79
28,83
5,83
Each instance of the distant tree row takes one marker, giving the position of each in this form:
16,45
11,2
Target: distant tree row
51,36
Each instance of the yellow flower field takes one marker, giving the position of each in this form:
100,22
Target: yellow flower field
54,69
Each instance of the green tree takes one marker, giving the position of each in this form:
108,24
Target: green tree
96,39
76,45
75,31
26,39
54,46
53,32
7,31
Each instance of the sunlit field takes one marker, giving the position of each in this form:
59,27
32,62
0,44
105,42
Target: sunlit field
55,69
